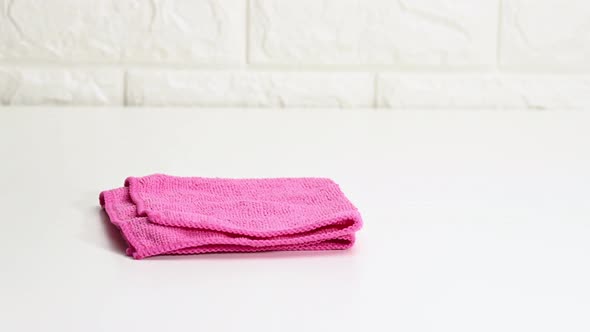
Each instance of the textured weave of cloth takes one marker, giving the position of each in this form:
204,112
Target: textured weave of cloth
161,214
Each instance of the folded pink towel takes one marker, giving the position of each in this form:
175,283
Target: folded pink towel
160,214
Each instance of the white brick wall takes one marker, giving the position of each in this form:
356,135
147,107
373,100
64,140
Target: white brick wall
296,53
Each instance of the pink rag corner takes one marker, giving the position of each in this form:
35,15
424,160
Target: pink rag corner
161,214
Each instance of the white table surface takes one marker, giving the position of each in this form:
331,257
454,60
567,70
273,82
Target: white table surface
474,221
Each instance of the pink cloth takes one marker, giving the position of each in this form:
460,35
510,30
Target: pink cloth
160,214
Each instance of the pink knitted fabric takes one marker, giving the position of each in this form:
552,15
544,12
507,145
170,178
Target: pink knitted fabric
160,214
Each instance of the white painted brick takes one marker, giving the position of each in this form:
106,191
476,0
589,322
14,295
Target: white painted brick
417,32
483,91
183,31
19,86
260,89
545,32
